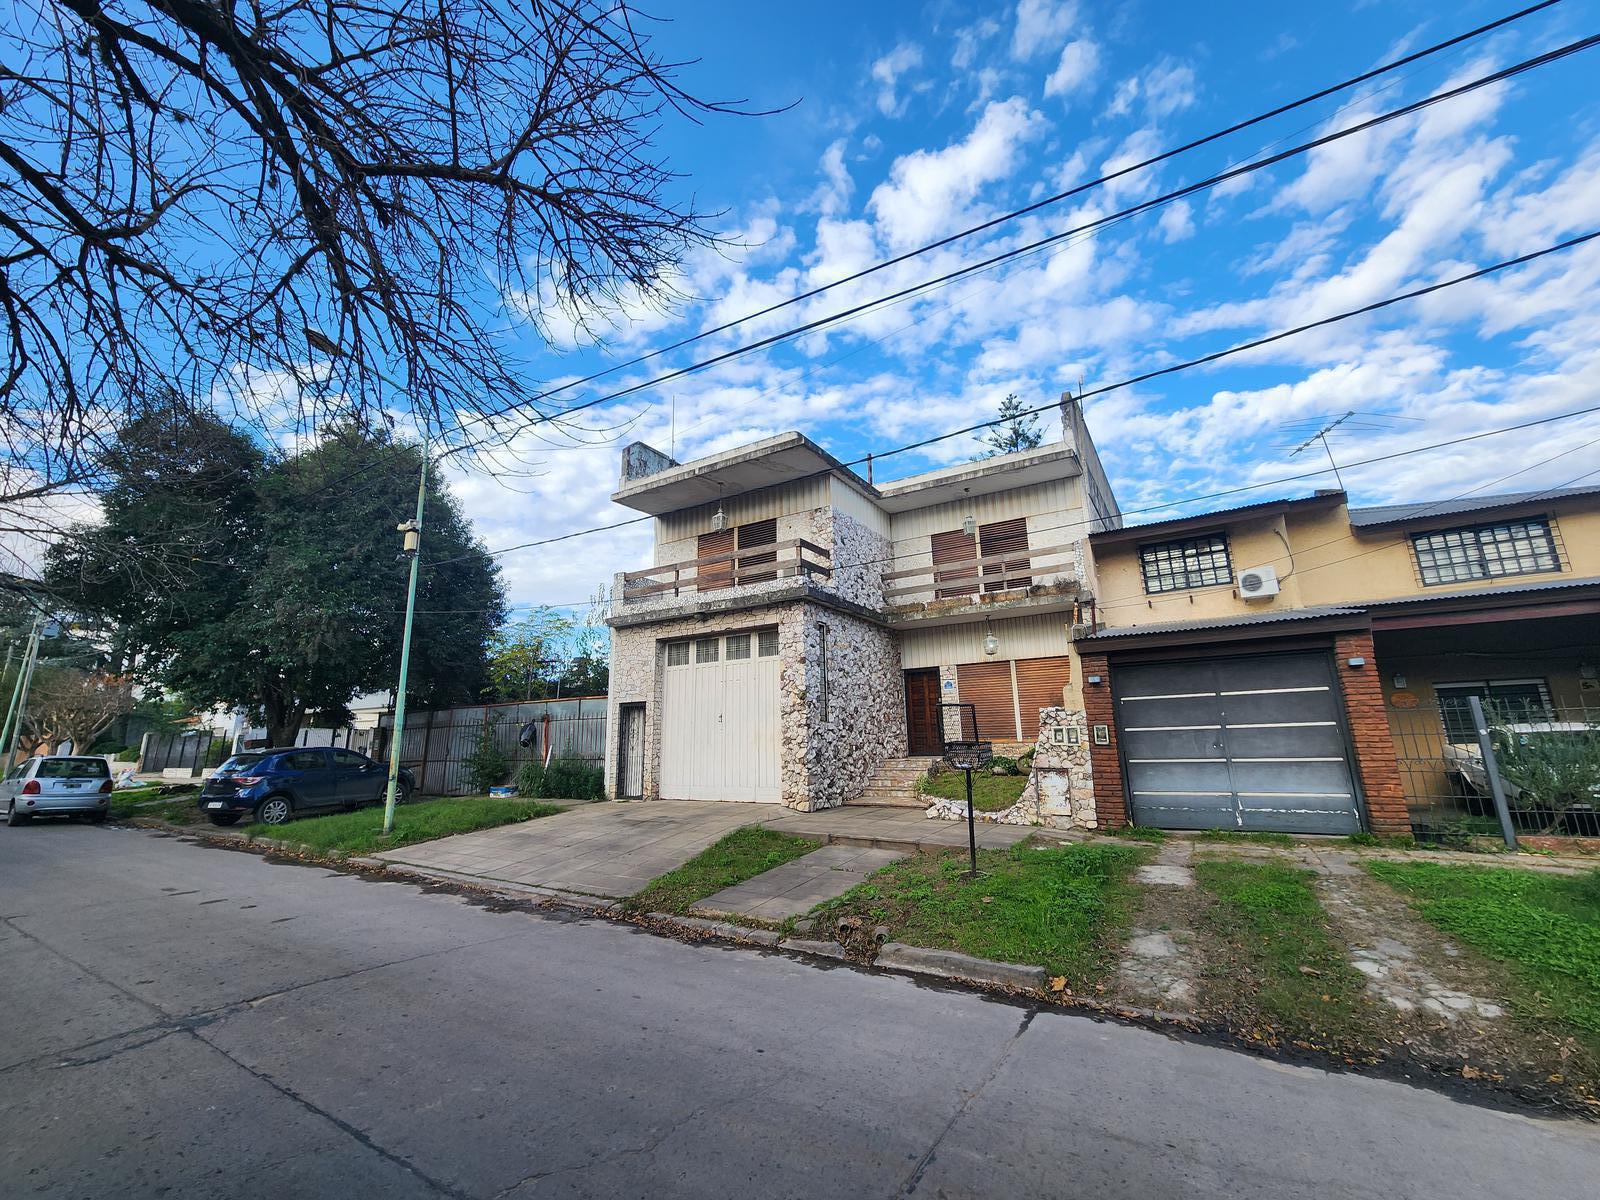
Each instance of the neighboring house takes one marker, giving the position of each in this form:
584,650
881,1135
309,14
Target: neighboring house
802,626
1303,666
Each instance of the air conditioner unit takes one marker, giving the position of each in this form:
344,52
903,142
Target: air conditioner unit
1258,583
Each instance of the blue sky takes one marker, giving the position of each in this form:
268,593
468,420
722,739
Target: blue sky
912,122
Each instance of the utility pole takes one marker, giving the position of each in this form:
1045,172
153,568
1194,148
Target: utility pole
19,695
11,709
413,546
412,530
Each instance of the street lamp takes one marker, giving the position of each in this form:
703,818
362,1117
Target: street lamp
412,531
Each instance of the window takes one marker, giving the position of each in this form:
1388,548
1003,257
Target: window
951,580
1188,563
305,760
738,646
767,643
1486,551
73,768
757,534
349,758
705,650
1513,701
822,661
1005,537
677,654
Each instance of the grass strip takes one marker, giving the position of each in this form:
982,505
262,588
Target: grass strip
1546,926
179,810
741,855
1064,908
1255,837
361,832
1138,833
990,793
1275,964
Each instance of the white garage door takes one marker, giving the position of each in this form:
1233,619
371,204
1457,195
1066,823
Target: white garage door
719,718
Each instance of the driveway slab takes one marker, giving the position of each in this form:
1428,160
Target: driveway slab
800,885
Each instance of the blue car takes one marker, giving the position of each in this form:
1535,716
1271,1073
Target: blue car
274,786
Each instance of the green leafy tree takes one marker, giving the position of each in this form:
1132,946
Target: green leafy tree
1019,431
528,658
289,600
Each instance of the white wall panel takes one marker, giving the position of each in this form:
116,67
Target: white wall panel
1020,637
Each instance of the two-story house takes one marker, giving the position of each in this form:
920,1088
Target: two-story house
1300,665
803,628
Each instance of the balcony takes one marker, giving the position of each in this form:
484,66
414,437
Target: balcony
1038,579
755,572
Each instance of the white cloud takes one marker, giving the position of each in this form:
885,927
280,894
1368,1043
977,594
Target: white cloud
928,192
1166,88
833,194
889,70
1075,71
970,39
1177,222
1041,24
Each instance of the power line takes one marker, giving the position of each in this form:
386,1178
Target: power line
1031,247
1203,360
1058,197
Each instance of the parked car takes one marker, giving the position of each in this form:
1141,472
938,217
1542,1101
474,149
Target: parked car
57,785
274,786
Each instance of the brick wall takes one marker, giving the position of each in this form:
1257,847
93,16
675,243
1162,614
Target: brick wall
1110,797
1369,733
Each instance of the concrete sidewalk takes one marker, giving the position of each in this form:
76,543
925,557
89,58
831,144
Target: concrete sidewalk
798,886
614,849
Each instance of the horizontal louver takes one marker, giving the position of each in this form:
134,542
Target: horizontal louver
1039,684
987,686
951,583
710,576
1005,537
757,534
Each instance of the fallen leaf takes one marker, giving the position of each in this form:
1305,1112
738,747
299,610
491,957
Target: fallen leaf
1558,1078
1309,971
1058,983
1470,1072
988,899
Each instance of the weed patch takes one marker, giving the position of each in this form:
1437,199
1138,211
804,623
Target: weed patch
361,832
1258,838
1064,908
990,793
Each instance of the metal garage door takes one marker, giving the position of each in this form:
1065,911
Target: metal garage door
719,718
1241,743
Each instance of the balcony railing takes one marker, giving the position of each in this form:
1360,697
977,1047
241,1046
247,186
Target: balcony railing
715,573
972,580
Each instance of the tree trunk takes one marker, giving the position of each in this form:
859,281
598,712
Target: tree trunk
283,718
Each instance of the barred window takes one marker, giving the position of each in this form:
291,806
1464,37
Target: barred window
1486,551
738,646
705,650
1505,702
1188,563
677,654
768,643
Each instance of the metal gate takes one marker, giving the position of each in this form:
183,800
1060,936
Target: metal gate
1237,743
630,750
719,719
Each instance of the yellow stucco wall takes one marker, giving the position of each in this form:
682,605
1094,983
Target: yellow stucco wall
1321,561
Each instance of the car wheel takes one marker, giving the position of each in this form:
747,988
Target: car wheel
13,817
402,794
224,818
274,810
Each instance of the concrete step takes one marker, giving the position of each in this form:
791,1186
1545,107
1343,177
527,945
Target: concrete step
907,799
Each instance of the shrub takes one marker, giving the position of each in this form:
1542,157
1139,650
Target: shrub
487,766
1025,761
1554,771
128,754
563,779
1001,765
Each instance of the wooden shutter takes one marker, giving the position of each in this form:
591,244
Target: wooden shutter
1039,684
753,568
987,685
710,576
953,582
1005,537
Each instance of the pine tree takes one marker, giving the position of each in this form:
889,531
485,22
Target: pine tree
1018,431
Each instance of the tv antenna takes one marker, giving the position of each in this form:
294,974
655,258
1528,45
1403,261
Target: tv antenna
1321,435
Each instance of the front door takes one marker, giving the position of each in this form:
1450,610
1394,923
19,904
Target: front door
924,724
630,764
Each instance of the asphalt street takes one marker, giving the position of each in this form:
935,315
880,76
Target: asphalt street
183,1021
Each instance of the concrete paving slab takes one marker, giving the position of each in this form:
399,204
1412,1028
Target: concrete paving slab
800,885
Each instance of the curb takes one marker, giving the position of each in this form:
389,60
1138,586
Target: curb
814,948
725,929
950,964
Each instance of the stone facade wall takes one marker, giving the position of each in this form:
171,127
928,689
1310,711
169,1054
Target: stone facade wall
860,557
1370,735
823,760
863,723
1060,788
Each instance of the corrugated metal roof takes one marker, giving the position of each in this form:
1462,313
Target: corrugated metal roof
1389,514
1215,516
1205,623
1480,593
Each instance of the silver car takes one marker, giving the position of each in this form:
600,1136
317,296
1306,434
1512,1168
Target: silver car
57,785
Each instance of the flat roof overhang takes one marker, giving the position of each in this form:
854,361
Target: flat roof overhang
786,458
998,474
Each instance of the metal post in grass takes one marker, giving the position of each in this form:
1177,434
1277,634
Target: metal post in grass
968,755
1491,768
972,831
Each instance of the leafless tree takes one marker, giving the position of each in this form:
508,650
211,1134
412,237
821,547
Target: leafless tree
69,703
188,186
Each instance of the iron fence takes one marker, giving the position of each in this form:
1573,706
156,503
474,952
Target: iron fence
1547,757
171,751
438,746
